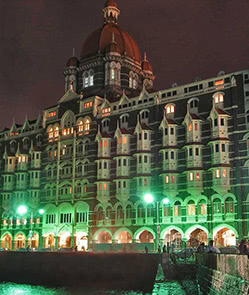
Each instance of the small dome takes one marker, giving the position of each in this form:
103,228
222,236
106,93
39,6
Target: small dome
113,48
111,3
72,62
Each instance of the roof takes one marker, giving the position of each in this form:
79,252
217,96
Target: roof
112,3
194,116
98,40
72,62
145,127
69,95
221,112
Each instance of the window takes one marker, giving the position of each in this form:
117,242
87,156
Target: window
172,155
229,205
224,172
222,122
196,126
166,155
166,131
215,122
190,152
112,74
217,173
202,207
218,98
166,179
172,131
191,176
223,147
217,206
172,179
197,176
177,208
87,125
197,151
170,109
190,127
217,148
87,105
191,208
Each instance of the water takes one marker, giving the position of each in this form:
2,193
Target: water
165,288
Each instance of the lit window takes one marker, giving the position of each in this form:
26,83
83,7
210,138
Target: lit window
119,140
100,144
91,80
166,179
106,110
112,74
80,126
134,85
56,132
50,133
130,82
224,173
219,84
88,105
86,82
104,186
218,98
170,109
217,173
87,125
105,143
124,140
196,126
172,179
99,186
190,127
191,176
191,209
197,176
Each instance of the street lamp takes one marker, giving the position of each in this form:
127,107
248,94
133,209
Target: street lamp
22,210
148,197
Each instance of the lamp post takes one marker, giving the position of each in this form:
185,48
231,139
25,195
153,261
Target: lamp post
22,210
148,198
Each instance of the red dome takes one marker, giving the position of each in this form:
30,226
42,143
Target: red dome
146,66
111,3
99,39
72,62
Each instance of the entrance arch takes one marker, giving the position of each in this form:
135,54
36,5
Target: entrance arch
172,236
123,237
6,242
196,235
225,236
19,241
34,242
49,241
145,237
65,240
81,241
104,237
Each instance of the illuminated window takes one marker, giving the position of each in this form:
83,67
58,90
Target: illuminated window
56,131
219,84
191,208
50,133
80,126
229,205
196,126
106,110
86,82
112,74
197,176
119,140
100,144
104,186
177,209
87,125
190,127
217,209
166,179
217,173
170,109
105,143
134,84
124,140
202,208
99,186
218,98
172,179
91,80
191,176
88,105
224,172
130,82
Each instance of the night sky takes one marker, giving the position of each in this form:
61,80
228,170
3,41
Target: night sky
183,40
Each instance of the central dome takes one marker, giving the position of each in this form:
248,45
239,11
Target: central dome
98,40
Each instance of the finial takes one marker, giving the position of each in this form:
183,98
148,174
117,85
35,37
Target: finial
145,56
73,51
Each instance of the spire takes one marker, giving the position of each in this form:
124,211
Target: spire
73,52
111,12
145,56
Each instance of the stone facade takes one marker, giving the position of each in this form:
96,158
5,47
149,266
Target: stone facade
89,160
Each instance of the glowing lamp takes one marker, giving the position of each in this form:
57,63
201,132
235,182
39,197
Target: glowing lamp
22,210
166,201
148,198
41,211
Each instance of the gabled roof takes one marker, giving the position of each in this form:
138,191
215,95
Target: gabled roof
69,95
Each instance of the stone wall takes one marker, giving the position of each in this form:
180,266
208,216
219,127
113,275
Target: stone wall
223,274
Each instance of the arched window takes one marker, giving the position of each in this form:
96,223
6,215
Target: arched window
128,212
80,126
229,205
217,209
120,213
100,215
90,78
202,207
87,125
166,210
150,210
140,211
191,208
170,109
177,208
50,133
218,98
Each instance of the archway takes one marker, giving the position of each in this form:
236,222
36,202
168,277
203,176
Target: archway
19,241
65,240
6,242
49,241
81,241
196,237
104,238
34,242
173,237
124,237
225,237
146,237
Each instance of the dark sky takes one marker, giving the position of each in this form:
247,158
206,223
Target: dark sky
183,39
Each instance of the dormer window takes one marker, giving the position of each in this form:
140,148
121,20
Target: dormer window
124,121
218,98
144,116
170,109
193,105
